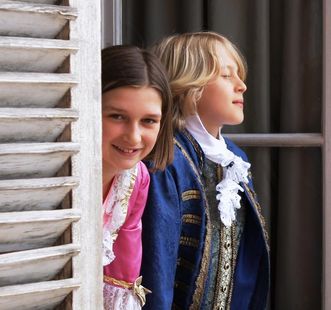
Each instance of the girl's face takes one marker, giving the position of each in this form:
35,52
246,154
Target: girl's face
131,119
222,101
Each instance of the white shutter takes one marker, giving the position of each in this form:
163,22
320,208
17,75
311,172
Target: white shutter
50,161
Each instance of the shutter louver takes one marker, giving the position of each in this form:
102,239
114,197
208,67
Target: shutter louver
37,214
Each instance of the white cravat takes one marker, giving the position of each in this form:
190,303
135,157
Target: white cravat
235,169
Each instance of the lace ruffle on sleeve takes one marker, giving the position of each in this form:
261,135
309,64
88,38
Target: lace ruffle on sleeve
118,298
115,210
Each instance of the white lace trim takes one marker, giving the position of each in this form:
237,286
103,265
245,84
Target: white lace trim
118,298
116,207
235,169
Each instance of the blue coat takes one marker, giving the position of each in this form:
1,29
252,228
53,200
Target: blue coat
176,232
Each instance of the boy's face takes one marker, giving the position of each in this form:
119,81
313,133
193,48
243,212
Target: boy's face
222,101
131,119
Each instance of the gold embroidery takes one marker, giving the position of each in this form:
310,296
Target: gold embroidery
191,219
188,241
124,185
227,261
219,172
202,277
225,268
191,194
139,290
195,144
187,156
235,242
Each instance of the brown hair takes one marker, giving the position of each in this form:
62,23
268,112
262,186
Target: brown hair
192,61
131,66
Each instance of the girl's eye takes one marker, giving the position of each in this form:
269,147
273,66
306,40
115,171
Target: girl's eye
225,75
117,117
150,121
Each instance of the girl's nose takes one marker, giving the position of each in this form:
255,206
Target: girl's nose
133,135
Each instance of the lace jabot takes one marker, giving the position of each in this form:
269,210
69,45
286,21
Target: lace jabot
235,169
115,209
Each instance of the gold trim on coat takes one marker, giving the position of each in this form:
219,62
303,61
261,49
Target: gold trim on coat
191,194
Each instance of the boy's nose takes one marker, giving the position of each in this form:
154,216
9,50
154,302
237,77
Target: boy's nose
241,86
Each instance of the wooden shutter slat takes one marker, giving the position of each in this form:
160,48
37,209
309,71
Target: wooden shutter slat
34,89
44,194
35,265
34,55
25,19
34,160
41,295
34,229
37,78
49,64
26,113
34,125
38,43
41,1
17,90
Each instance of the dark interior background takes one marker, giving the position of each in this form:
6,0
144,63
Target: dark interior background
282,43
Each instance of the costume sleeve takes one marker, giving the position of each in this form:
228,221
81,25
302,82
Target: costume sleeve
161,234
138,199
119,298
128,245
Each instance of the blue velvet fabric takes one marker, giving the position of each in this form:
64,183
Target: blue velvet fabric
173,248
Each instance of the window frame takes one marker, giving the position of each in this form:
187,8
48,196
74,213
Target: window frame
326,282
322,140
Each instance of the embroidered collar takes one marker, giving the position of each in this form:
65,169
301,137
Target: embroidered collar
235,169
115,209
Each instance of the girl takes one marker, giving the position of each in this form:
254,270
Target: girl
136,123
203,234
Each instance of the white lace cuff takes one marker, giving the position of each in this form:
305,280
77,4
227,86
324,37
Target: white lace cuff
118,298
108,253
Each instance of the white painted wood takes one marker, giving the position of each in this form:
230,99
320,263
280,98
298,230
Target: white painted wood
35,265
34,229
87,163
41,1
34,194
34,89
79,90
34,125
34,55
33,19
36,296
34,160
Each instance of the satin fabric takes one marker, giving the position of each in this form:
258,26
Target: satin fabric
128,246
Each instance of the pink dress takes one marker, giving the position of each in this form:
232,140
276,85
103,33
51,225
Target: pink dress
123,209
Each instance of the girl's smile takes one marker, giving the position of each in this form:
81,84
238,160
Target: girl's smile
127,151
130,126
